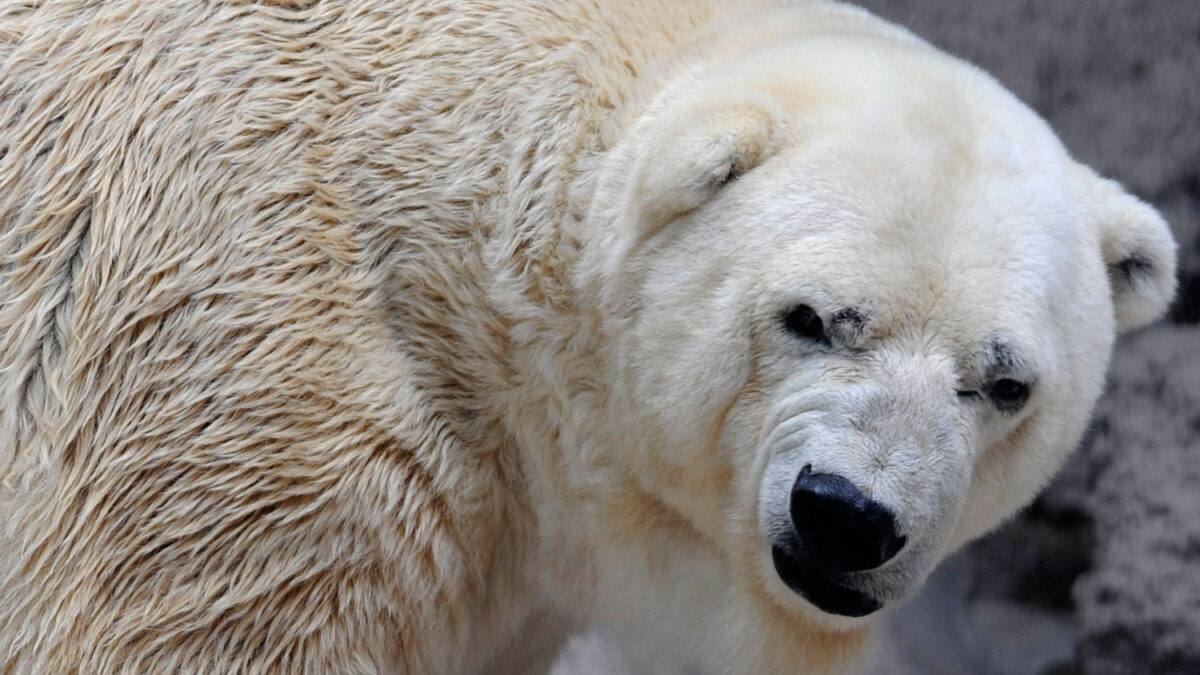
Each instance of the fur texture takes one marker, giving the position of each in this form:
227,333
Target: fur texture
315,323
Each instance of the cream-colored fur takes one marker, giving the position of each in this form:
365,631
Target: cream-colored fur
352,336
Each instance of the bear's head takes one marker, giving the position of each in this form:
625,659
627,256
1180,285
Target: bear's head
857,305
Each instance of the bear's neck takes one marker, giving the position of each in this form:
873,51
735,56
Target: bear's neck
479,223
475,200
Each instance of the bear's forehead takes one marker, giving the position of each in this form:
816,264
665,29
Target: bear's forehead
982,274
912,190
901,99
921,219
909,236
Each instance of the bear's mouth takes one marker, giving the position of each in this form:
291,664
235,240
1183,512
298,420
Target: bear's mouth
821,588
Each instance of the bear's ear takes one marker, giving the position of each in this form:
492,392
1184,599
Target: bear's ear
693,151
1140,255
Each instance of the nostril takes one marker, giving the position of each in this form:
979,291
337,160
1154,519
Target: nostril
839,528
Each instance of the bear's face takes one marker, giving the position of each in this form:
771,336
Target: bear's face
858,304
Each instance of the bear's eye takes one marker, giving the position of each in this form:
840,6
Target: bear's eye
802,321
1008,395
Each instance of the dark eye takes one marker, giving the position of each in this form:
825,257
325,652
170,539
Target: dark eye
1008,395
802,321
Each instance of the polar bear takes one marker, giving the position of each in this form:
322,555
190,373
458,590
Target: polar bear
397,337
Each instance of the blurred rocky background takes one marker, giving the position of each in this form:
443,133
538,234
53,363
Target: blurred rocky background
1102,574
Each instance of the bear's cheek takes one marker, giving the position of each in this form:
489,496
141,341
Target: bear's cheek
682,387
688,355
1004,474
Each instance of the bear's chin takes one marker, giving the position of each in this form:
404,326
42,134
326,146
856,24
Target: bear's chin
824,591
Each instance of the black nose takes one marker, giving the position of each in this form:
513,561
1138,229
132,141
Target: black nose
839,528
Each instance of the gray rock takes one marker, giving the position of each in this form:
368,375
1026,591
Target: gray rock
1140,604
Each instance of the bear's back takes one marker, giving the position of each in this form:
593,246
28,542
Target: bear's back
214,448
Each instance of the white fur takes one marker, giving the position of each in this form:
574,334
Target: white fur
360,336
